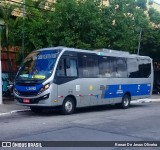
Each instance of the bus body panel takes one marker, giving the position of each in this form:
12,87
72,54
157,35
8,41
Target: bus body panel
95,91
89,91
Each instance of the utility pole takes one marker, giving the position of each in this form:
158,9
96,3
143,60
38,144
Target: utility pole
23,32
1,99
139,41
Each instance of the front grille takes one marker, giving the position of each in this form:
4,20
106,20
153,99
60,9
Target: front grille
28,94
26,84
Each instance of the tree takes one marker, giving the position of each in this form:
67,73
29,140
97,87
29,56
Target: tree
34,26
142,4
127,20
6,15
154,17
84,24
150,42
75,24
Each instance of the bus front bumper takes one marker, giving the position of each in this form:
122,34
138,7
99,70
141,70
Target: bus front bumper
29,100
40,100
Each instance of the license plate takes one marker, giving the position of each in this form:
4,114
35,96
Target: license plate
26,101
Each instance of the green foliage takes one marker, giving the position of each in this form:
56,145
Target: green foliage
85,24
154,16
75,24
142,4
5,15
127,20
150,44
150,2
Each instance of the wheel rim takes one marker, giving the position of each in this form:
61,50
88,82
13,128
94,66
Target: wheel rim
68,106
126,101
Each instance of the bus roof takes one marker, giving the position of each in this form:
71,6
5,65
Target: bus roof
101,52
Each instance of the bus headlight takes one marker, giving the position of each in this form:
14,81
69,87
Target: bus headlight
45,87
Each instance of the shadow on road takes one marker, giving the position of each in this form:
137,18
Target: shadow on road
56,111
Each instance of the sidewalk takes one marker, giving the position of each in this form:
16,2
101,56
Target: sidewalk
153,98
9,106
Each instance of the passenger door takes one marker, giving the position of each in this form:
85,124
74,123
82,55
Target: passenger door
66,73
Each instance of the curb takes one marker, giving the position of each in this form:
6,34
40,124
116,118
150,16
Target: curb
13,111
145,101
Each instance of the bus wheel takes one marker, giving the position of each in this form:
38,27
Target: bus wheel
68,106
36,109
125,102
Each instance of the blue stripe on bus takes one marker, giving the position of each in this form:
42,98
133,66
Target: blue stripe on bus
31,88
113,91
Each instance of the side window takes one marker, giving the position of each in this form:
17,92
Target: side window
138,68
88,66
104,67
93,66
61,68
67,67
144,68
107,66
121,68
72,69
132,68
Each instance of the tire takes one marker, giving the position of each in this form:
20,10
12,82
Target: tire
36,109
125,102
68,106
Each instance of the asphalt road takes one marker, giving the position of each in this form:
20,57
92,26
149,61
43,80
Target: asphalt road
141,122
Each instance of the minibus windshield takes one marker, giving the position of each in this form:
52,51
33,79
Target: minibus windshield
38,65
